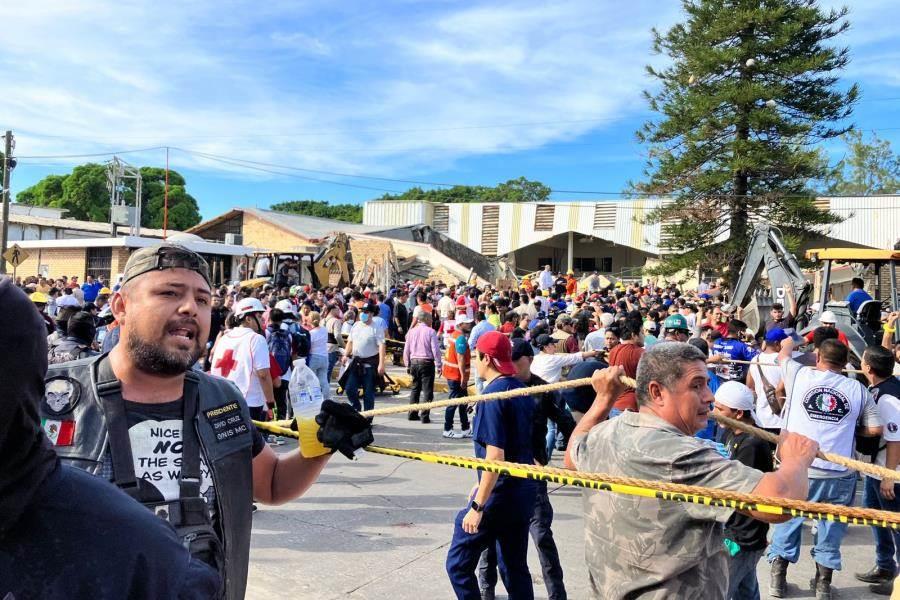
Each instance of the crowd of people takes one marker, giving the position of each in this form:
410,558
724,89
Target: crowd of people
689,350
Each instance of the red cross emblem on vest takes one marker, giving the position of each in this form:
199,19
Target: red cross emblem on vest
226,364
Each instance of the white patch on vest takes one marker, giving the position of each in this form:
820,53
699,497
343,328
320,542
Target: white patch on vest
156,449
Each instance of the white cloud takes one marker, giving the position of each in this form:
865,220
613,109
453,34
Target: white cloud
335,86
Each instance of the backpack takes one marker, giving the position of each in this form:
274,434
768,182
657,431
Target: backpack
300,339
280,346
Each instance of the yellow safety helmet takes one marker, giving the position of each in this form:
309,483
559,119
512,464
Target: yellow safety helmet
39,298
104,291
570,272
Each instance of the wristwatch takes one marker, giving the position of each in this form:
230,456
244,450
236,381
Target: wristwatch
476,507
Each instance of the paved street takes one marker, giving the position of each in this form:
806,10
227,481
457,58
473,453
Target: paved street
379,528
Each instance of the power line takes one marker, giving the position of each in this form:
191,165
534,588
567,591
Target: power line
241,161
92,155
268,168
255,168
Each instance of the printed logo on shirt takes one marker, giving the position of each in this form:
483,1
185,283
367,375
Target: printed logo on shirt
156,447
227,421
892,427
826,405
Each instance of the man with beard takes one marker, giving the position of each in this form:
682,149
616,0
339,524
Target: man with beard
180,442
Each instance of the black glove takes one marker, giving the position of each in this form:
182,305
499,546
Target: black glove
342,428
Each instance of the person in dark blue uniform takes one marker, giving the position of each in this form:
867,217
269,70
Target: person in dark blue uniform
500,507
64,533
545,407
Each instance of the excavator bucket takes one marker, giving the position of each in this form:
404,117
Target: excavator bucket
751,316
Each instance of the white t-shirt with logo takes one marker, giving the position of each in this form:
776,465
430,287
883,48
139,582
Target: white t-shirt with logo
240,353
826,407
889,411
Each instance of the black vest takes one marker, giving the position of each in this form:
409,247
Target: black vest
222,425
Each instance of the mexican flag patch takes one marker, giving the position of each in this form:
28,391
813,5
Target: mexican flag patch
60,433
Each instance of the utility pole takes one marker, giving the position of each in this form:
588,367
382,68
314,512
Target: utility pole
166,198
7,167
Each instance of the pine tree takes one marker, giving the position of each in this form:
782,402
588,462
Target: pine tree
752,88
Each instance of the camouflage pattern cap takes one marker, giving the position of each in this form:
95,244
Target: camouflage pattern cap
165,256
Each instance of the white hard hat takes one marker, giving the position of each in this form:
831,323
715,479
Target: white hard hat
247,306
286,306
828,317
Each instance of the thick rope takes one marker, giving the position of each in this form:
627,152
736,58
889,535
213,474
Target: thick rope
862,467
738,500
729,361
748,500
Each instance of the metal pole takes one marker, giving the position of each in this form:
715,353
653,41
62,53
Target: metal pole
892,270
166,197
7,150
826,283
570,259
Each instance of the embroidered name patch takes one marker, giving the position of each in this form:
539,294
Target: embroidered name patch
227,422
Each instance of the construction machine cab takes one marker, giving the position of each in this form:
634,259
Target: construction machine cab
863,328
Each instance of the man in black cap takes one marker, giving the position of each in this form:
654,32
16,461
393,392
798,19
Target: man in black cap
180,442
64,533
545,407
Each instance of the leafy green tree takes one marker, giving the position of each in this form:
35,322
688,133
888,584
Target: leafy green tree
47,192
351,213
514,190
750,90
83,193
869,168
183,210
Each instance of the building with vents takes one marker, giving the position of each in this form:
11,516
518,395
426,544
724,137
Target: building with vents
607,236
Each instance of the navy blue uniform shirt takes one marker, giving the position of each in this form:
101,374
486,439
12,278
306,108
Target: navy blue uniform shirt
506,424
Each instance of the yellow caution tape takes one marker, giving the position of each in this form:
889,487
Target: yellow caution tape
536,473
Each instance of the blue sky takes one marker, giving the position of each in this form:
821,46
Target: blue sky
460,92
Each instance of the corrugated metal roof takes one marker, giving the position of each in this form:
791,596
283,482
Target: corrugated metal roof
312,228
75,224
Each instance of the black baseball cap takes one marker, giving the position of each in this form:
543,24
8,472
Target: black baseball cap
543,340
521,347
164,256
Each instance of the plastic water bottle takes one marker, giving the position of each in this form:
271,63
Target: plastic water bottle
306,400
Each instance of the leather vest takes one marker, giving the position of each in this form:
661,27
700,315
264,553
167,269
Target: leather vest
222,426
69,349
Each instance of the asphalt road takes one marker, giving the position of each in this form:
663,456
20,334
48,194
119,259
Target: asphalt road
379,528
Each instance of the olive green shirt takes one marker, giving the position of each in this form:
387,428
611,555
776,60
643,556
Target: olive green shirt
645,547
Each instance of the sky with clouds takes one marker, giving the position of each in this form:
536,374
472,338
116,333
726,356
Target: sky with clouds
462,92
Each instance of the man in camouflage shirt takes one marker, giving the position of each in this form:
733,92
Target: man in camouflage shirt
656,548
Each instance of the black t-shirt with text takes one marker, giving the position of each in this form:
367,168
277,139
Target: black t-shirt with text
155,434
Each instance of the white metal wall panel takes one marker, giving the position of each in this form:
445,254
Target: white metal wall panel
508,229
395,214
875,220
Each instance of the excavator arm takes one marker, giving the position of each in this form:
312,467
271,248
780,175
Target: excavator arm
768,251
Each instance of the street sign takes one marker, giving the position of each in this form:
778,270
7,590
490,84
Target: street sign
15,255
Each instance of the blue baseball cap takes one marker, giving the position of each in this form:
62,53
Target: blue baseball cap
776,335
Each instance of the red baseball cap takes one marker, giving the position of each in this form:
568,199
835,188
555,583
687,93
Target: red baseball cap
498,347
